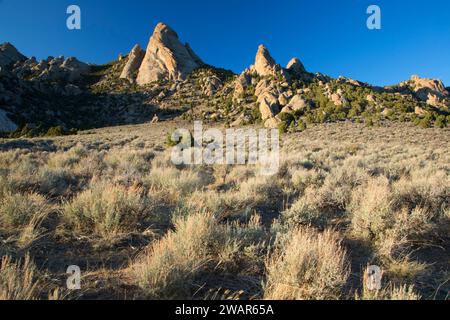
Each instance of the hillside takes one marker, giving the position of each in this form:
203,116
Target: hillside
168,80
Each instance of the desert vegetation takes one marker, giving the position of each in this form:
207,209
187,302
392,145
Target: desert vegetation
111,201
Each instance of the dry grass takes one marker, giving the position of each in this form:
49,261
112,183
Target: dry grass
21,216
199,243
17,280
112,200
391,292
168,269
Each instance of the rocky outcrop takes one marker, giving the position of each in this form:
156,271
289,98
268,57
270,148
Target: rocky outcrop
345,80
295,67
6,125
370,98
166,58
268,105
337,97
297,103
31,88
9,55
432,91
52,69
72,69
272,123
133,64
264,64
210,85
433,85
241,84
419,111
273,92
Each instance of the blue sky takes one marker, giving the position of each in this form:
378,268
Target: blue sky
328,36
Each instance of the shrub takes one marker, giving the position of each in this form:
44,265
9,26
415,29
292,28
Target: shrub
369,122
185,139
394,215
199,244
308,210
338,185
283,128
167,270
171,179
440,122
425,122
307,265
371,208
106,210
287,118
18,210
55,131
68,158
55,181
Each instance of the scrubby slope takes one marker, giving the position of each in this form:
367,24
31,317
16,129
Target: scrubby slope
112,202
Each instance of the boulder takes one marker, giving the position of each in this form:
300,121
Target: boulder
351,81
297,103
242,120
286,109
74,68
370,98
268,106
434,100
337,99
420,111
283,99
241,84
272,123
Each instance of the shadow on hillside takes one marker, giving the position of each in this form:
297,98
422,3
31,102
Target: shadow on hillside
99,99
108,107
36,145
434,252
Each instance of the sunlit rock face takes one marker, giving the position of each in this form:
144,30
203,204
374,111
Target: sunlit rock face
166,58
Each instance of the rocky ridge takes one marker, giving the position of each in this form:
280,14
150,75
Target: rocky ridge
169,80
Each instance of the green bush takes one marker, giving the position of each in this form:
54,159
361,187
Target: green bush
440,122
287,118
55,131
